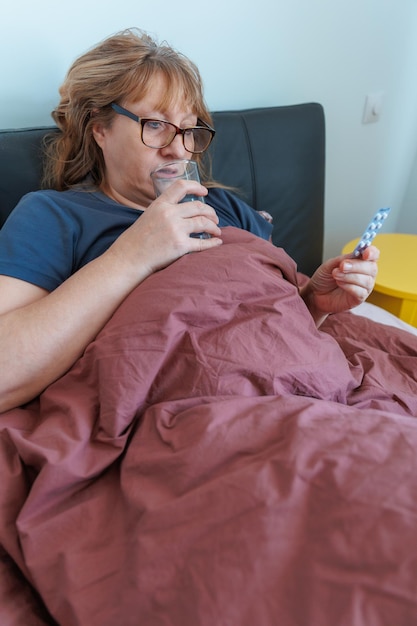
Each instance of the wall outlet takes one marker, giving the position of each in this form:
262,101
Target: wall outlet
373,108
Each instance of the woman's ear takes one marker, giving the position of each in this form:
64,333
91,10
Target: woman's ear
99,133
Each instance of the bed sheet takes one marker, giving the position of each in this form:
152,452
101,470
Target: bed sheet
213,458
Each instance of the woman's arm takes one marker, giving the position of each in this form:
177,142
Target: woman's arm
42,334
46,333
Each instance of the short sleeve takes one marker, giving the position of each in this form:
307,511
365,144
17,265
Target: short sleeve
36,242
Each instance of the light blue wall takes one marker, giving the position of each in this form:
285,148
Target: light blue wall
268,52
407,222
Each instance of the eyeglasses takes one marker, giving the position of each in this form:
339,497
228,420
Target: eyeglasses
158,134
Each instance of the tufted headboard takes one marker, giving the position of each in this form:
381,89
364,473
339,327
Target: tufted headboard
274,156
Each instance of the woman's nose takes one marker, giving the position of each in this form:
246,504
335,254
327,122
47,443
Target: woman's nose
176,149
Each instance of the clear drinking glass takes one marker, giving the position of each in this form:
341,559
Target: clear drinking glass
167,173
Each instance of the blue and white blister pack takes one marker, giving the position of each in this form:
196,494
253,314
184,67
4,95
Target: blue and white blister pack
371,231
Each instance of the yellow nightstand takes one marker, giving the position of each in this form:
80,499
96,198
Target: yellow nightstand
396,284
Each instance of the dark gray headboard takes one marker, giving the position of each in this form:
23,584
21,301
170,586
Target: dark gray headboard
275,156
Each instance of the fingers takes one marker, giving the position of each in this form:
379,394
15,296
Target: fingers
359,286
195,210
370,254
193,217
202,225
365,265
171,205
186,217
178,190
357,276
163,231
198,244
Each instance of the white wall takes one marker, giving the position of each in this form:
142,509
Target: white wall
407,222
268,52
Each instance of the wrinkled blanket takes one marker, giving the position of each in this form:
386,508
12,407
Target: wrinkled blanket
215,460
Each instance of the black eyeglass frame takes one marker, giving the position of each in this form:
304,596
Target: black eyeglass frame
178,131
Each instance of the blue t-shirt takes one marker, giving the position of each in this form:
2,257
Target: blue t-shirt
51,234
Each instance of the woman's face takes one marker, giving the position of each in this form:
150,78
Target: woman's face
128,161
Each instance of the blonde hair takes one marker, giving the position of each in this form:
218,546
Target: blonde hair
120,67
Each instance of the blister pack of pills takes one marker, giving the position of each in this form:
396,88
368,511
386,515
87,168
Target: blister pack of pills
371,231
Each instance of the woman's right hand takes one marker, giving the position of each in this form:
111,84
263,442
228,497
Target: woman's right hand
162,233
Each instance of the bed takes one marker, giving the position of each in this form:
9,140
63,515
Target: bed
213,458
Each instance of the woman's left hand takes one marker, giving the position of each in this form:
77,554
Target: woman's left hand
341,283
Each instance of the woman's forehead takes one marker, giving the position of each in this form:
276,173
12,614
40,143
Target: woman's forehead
164,93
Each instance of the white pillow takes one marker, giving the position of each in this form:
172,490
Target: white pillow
373,312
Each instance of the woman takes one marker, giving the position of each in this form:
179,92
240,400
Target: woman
126,106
